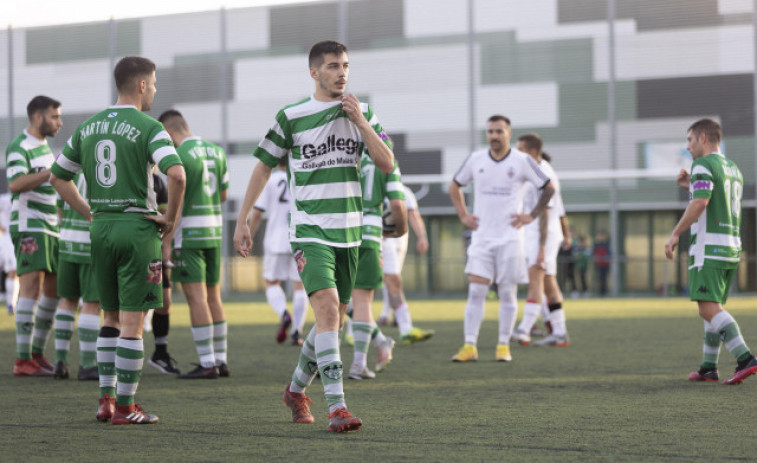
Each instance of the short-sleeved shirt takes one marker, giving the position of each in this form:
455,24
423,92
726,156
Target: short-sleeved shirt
411,203
75,245
498,191
715,236
33,210
5,212
556,208
377,186
324,149
275,201
207,176
118,183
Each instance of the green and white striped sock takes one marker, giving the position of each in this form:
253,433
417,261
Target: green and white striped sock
24,318
220,333
203,337
307,365
43,323
362,333
107,342
64,329
330,366
711,347
130,355
88,324
730,333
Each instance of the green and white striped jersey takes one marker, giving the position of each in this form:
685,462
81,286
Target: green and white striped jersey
117,149
715,236
74,229
324,150
377,186
33,210
207,176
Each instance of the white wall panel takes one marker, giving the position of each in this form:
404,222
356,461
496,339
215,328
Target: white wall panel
527,105
283,77
164,37
499,15
247,29
735,6
433,18
204,119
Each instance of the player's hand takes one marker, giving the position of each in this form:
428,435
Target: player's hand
242,238
421,245
470,221
518,220
351,105
165,225
567,243
683,179
670,246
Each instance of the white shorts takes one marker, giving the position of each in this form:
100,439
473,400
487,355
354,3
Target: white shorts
502,263
551,248
280,267
7,253
393,253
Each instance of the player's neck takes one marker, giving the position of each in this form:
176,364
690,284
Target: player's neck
501,154
182,136
34,132
325,96
128,100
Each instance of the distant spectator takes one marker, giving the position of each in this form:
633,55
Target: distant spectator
567,267
582,256
602,259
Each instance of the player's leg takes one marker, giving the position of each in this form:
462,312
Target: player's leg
88,323
276,267
554,297
45,314
361,329
299,304
480,271
30,288
69,290
161,324
532,307
217,314
191,273
390,267
510,269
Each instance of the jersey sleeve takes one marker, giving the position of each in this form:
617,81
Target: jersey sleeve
277,142
464,174
224,169
161,148
534,174
701,181
374,122
410,202
17,164
67,164
394,187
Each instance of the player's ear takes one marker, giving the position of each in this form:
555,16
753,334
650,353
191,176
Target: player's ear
313,73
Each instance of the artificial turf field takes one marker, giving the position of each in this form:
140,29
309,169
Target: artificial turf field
618,393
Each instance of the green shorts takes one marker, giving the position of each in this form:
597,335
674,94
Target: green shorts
710,283
321,266
35,252
197,265
369,272
126,262
75,281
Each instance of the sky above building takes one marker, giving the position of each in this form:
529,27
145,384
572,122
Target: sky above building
30,13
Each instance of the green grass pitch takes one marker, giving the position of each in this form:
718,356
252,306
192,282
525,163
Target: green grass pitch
618,393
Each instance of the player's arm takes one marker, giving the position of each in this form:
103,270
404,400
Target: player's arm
255,219
695,209
683,180
419,227
28,182
567,240
399,214
177,181
224,195
242,236
458,200
380,153
547,191
70,194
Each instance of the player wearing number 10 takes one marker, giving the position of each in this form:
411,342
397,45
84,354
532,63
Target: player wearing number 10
714,215
117,150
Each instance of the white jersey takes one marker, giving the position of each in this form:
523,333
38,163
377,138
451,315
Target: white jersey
498,191
275,201
5,212
411,203
555,207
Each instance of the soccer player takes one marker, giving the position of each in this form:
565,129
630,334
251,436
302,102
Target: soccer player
278,263
75,281
376,186
7,255
116,149
197,244
393,254
34,231
323,136
496,250
715,187
543,239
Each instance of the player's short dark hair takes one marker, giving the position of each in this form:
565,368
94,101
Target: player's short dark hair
131,68
499,117
41,103
531,141
173,118
321,49
711,130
